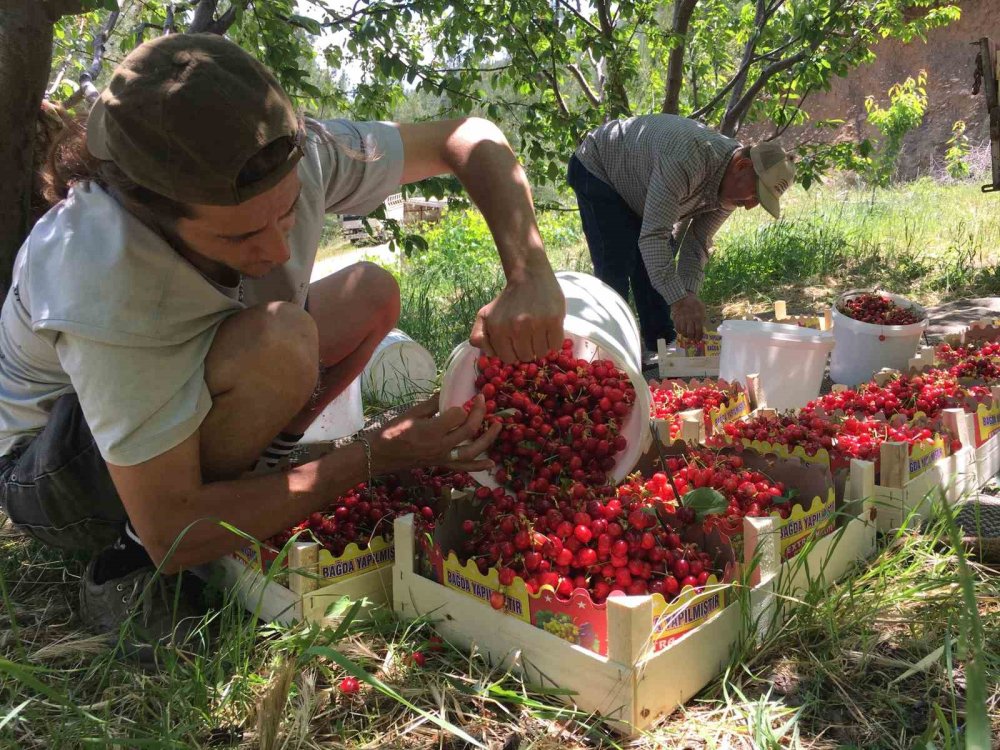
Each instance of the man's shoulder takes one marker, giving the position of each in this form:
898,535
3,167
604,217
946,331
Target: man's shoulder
91,268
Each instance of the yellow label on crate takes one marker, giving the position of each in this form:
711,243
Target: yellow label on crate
709,346
248,556
468,580
355,560
801,525
734,410
690,609
987,421
924,454
821,457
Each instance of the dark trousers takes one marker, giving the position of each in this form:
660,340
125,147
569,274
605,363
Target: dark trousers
58,489
612,231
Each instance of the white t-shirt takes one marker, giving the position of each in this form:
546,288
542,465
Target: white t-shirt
103,306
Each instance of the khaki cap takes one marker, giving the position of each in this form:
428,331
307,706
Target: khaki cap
184,113
775,174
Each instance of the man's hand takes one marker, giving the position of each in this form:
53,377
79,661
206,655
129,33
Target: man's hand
421,437
525,321
688,314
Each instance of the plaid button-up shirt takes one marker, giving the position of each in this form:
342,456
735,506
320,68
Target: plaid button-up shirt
668,170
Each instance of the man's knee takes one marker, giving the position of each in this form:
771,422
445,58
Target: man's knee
382,289
277,342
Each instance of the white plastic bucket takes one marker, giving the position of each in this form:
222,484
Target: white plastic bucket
399,369
601,326
342,417
865,348
790,360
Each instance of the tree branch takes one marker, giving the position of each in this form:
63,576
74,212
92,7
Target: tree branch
683,9
734,114
742,71
168,25
740,80
204,15
579,15
607,27
87,88
227,19
550,77
587,90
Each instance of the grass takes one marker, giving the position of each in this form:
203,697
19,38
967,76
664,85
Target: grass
849,668
902,654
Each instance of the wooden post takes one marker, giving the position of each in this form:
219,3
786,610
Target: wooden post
894,470
827,320
402,537
754,391
995,393
692,426
630,622
760,538
780,310
960,424
303,567
662,427
861,481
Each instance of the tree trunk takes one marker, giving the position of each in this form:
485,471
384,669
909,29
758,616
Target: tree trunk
25,62
675,63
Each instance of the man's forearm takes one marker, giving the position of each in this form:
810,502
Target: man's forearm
480,157
657,255
259,506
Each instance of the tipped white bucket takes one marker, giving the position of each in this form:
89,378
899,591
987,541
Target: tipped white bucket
601,326
865,348
399,370
342,417
790,360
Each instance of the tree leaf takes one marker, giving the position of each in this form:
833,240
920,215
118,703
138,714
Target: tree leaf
309,24
705,502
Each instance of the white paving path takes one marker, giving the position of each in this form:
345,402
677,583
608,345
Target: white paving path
380,254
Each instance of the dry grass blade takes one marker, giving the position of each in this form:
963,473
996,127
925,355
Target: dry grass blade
71,646
271,706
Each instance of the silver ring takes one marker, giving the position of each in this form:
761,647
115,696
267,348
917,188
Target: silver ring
454,454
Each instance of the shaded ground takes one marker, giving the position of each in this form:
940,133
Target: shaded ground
952,317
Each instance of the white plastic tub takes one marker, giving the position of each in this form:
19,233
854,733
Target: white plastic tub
865,348
399,370
601,326
342,417
790,360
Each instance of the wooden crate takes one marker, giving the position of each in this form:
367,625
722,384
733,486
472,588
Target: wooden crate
903,488
673,365
831,557
692,421
632,686
296,594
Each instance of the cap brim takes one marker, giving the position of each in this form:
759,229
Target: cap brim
768,199
97,131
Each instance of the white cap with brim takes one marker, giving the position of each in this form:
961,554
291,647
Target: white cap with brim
775,174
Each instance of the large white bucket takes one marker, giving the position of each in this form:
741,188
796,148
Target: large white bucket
601,326
399,370
342,417
865,348
790,360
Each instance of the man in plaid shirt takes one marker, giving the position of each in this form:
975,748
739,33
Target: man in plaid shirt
653,191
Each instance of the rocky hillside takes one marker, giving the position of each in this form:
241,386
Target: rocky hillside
949,60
